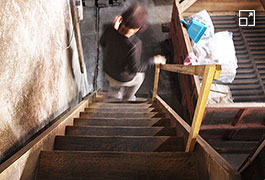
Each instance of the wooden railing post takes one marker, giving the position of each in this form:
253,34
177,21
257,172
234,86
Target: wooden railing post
208,77
157,71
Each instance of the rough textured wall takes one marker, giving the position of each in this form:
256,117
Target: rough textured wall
39,77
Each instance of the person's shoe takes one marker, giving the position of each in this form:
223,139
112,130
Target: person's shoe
133,98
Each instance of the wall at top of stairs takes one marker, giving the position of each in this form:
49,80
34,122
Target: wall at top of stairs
39,77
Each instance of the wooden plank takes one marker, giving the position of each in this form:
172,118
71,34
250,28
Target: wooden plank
116,165
24,162
157,70
120,131
120,143
212,165
185,5
200,107
227,115
123,106
258,154
245,134
231,127
224,6
192,69
112,110
233,147
118,115
236,106
121,122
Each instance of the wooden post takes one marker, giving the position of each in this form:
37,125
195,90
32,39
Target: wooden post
157,71
77,36
208,77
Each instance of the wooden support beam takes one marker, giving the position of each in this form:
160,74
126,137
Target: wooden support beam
263,3
192,70
238,117
157,71
251,158
208,77
77,36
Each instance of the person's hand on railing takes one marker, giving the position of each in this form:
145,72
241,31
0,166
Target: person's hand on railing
117,22
158,59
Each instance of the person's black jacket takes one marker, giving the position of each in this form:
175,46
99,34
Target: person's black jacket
122,55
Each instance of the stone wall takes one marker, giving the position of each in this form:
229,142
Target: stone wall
39,72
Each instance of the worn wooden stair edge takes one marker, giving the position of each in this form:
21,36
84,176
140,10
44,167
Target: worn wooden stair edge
120,143
121,122
117,165
210,163
22,165
120,130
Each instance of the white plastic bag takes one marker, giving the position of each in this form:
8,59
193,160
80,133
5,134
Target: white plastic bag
224,54
215,48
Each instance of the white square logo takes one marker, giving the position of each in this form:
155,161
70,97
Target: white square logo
246,18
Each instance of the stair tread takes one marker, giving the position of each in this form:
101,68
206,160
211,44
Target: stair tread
121,131
69,165
121,104
114,110
120,143
121,122
119,115
138,100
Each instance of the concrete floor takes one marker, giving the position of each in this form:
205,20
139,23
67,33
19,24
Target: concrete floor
154,42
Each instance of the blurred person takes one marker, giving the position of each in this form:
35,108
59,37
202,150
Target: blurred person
122,51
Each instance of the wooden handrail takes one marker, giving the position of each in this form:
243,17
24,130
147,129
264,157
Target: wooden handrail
208,72
157,71
191,70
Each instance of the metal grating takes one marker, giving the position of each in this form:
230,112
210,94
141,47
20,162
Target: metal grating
249,42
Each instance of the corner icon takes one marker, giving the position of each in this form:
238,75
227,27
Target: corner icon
246,18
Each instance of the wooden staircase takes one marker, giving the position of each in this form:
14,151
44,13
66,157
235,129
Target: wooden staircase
118,140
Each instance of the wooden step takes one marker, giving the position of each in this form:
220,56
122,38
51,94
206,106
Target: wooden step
246,92
118,143
112,110
233,147
119,115
121,122
249,98
69,165
244,86
138,100
119,105
120,131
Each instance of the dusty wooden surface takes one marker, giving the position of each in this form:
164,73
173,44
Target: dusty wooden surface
121,122
119,143
113,137
113,165
120,131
